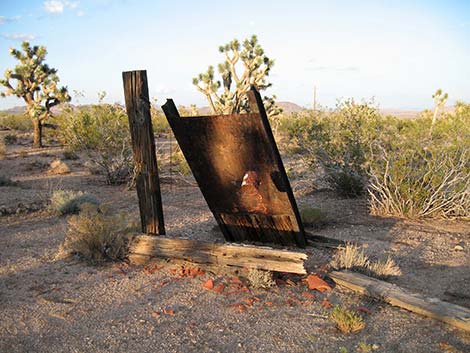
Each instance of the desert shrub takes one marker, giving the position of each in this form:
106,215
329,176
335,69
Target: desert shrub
159,122
96,235
313,216
352,257
18,122
5,181
347,321
70,155
260,278
3,149
58,167
338,143
422,183
102,132
421,175
10,139
404,169
69,202
178,161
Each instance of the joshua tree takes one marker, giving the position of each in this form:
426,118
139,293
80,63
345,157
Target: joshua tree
36,83
440,99
249,56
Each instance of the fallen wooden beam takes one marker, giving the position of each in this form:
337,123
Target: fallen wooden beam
144,247
434,308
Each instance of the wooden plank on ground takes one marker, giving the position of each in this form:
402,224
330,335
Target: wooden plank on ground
144,247
143,146
434,308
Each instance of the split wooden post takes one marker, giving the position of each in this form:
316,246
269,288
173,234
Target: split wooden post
143,147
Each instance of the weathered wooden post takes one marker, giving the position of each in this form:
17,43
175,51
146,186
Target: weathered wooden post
143,147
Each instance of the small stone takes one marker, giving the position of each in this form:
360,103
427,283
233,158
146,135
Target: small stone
458,248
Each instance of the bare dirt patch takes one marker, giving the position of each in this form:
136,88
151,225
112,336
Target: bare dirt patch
49,304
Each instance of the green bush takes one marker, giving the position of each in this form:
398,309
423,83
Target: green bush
18,122
420,184
313,216
422,175
406,169
102,132
159,122
10,139
69,202
338,143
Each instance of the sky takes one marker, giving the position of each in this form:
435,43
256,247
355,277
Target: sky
395,52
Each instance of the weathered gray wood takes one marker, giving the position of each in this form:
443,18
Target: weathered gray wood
144,247
434,308
143,146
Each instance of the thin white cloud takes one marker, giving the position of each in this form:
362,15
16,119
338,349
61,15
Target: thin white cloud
4,19
80,13
334,68
54,6
58,6
71,4
18,36
162,89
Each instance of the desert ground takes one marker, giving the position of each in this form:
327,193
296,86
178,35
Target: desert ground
50,303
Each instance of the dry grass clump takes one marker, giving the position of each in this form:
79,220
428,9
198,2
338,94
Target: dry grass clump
352,257
96,235
260,278
58,167
69,201
347,321
384,269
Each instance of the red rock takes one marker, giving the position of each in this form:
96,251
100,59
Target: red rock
209,284
316,283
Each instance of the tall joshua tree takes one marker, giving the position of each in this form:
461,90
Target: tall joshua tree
36,83
256,67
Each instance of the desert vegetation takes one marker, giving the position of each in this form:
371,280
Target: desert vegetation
376,184
408,168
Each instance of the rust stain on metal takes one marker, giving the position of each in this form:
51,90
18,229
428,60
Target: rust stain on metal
237,166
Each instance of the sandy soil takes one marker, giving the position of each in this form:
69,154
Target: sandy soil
64,305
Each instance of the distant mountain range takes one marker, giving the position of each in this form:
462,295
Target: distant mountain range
288,108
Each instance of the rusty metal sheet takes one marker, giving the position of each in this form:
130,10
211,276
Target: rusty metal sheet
237,166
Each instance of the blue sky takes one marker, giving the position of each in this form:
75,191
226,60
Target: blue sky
399,52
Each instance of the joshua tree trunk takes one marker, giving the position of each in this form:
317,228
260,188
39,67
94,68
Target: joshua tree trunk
37,136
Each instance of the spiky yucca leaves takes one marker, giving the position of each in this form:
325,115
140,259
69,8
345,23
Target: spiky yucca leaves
36,83
234,85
